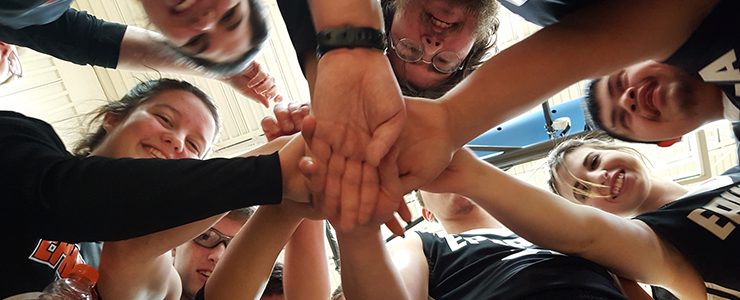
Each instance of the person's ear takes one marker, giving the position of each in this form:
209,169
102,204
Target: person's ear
428,215
668,143
110,121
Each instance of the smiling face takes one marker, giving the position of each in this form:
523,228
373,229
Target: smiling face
623,183
171,125
439,25
195,263
216,30
651,102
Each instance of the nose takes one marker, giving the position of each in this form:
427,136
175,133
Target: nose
206,21
174,143
598,176
432,45
216,253
628,100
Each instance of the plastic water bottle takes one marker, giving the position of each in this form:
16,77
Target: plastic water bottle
78,286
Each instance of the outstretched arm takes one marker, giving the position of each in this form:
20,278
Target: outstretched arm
593,41
408,257
145,50
306,270
367,269
141,268
245,268
629,248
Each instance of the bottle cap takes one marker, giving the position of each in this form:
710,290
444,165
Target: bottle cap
87,271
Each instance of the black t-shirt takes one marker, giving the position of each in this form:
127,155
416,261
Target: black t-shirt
497,264
710,52
52,200
702,227
544,12
75,36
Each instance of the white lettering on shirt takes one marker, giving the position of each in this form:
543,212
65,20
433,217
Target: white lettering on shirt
725,205
721,69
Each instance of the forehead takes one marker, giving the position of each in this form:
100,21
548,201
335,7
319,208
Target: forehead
608,110
226,46
229,226
574,162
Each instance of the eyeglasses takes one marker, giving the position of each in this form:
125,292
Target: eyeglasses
211,238
411,51
14,64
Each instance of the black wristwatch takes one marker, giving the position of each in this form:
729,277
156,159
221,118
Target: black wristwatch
350,37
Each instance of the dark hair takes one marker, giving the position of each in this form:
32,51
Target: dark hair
592,114
258,23
338,293
485,41
241,214
419,198
135,97
275,284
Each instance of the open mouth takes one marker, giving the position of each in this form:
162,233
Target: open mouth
155,152
648,96
439,23
617,186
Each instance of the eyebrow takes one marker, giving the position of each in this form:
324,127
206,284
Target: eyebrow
207,43
170,107
233,27
194,39
609,85
585,160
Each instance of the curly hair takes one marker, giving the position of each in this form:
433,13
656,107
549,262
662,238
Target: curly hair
485,41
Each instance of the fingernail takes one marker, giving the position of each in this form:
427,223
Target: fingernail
309,161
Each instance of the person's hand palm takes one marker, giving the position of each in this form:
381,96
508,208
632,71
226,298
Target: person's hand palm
358,106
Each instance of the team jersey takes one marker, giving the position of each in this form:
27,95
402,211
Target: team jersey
497,264
702,227
544,12
710,52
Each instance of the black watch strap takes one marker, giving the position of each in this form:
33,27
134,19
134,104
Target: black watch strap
349,37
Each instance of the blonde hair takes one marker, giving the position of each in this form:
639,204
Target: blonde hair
596,140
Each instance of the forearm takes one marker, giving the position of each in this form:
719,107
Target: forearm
245,268
152,245
270,147
367,269
141,268
594,41
306,271
560,225
146,50
76,37
359,13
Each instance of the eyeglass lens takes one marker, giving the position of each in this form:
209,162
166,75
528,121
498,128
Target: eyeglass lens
411,51
211,238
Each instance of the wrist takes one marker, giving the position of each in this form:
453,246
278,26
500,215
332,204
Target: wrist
350,37
453,118
359,237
